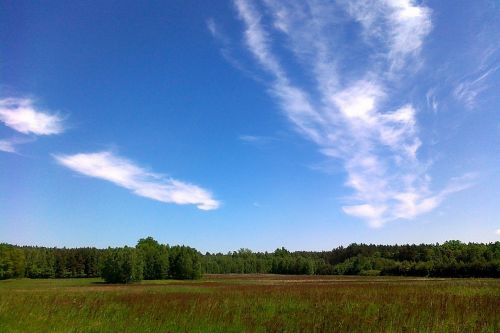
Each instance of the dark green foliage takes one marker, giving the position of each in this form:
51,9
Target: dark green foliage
149,260
12,262
184,263
451,259
74,263
40,262
122,265
246,262
155,258
62,263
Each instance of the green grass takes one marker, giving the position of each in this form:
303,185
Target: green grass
252,303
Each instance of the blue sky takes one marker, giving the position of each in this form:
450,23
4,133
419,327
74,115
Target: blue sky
257,124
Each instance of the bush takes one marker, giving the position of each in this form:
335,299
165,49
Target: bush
370,272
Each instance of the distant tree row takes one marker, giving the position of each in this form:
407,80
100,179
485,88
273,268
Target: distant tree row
150,260
450,259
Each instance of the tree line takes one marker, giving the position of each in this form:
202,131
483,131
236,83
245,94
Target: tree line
450,259
150,260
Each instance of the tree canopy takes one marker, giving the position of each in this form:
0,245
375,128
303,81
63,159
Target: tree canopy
151,260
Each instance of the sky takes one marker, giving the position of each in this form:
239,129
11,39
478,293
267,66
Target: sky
249,124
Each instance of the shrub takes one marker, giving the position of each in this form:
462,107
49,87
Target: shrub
370,272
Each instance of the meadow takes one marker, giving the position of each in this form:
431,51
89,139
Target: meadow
252,303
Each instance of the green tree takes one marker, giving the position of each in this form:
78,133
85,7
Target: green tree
185,263
12,262
155,259
122,265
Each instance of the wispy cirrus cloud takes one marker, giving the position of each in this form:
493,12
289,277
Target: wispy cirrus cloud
349,110
125,173
226,48
484,67
468,90
397,27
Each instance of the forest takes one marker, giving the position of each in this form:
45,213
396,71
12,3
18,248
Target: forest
150,260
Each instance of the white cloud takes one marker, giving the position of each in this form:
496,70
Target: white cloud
366,211
122,172
7,146
293,100
399,26
21,115
346,112
257,38
497,231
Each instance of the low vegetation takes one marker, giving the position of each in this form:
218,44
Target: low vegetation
252,303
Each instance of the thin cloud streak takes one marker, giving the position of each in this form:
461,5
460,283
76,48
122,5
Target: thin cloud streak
345,114
124,173
226,49
468,91
468,88
257,140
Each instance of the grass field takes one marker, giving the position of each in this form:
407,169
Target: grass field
252,303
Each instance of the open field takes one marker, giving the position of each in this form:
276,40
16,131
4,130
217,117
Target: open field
252,303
